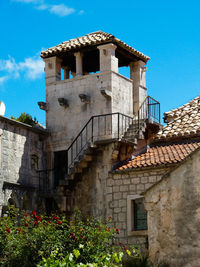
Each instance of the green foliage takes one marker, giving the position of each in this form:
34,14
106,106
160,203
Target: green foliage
136,259
26,118
32,240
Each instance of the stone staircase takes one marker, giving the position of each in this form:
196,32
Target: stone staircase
133,132
103,129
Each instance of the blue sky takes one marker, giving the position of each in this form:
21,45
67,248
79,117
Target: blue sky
165,30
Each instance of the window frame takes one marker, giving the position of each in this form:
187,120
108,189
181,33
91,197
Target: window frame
130,217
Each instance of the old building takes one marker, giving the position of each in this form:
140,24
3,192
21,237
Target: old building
103,149
173,203
23,152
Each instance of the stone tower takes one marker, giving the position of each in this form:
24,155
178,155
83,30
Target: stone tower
82,80
90,104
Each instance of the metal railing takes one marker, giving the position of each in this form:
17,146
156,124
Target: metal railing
111,126
103,128
98,128
153,109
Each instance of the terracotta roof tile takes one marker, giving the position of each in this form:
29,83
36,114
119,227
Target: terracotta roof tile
183,121
91,39
159,155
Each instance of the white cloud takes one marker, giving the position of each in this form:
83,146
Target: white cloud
81,12
60,9
31,68
3,79
29,1
42,7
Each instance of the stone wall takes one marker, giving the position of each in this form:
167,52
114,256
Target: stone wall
119,99
124,187
101,193
174,215
22,153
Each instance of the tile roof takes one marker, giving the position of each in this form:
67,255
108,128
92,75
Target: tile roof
177,112
183,121
161,155
91,39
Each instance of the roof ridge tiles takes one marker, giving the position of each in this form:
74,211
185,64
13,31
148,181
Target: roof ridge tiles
94,38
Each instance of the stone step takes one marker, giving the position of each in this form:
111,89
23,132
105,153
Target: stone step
132,141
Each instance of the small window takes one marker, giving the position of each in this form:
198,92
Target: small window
139,215
136,215
34,162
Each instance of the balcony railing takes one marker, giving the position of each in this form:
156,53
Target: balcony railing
102,128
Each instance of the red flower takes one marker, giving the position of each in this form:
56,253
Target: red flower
8,230
125,248
26,215
120,243
26,224
36,222
117,230
34,213
110,218
38,218
59,222
55,218
18,230
49,222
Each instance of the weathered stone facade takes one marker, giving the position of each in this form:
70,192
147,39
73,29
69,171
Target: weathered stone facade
106,167
23,153
78,113
104,193
174,217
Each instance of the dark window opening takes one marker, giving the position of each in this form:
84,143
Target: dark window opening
60,166
140,215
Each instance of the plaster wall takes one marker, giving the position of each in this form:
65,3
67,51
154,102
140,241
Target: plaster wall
174,216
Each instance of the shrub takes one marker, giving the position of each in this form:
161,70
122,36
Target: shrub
31,239
26,118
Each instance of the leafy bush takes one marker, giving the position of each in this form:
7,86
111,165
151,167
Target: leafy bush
31,239
26,118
